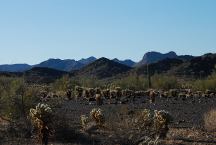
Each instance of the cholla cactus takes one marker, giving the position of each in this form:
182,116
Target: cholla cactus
118,92
106,93
152,96
41,112
78,92
91,92
161,121
84,120
146,118
41,118
98,91
153,122
98,99
98,116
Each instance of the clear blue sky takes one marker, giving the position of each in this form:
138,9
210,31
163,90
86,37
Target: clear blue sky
34,30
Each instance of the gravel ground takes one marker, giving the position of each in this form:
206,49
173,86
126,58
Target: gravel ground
187,114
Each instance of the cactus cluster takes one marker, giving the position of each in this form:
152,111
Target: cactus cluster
154,121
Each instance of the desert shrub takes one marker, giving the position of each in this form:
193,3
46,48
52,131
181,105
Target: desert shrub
133,82
16,98
67,82
204,84
210,120
63,84
164,82
11,94
90,82
136,82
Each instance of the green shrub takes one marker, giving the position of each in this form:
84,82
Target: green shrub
204,84
164,82
15,97
62,84
132,82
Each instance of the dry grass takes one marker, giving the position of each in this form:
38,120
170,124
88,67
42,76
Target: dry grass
210,120
189,135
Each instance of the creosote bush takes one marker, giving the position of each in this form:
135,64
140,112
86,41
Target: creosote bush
204,84
132,82
164,82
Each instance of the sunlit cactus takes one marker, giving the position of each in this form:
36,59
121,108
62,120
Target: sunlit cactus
41,118
42,112
84,120
146,117
161,121
98,116
154,122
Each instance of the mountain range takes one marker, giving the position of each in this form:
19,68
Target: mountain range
71,64
103,68
59,64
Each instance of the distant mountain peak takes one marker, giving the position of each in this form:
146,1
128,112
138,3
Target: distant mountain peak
87,60
126,62
66,64
14,67
153,56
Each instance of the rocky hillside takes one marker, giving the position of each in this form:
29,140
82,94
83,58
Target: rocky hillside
127,62
196,66
103,68
43,75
